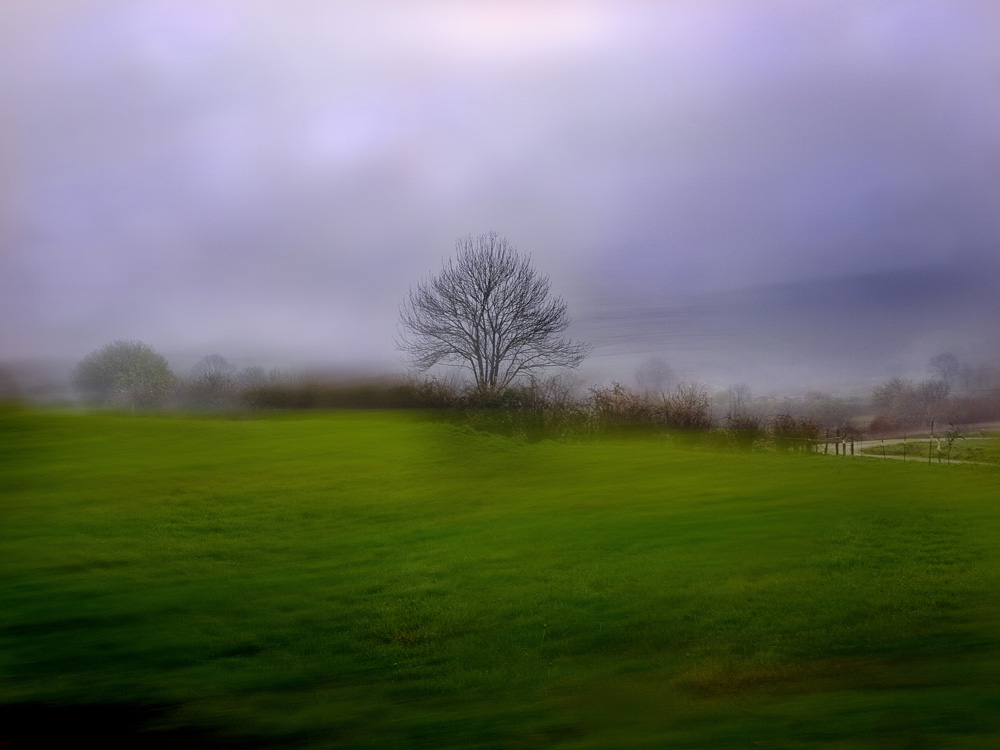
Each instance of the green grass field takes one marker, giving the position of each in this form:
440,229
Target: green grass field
374,580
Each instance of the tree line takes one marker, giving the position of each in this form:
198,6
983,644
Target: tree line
490,315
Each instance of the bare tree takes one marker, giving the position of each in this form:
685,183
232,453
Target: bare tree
655,377
739,401
212,383
689,407
745,425
946,367
252,377
488,310
903,403
214,367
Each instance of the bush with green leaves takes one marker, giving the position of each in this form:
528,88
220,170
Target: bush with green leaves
125,374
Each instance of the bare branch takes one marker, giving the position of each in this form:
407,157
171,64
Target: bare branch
488,310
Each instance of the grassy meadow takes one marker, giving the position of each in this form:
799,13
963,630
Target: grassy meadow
377,580
976,448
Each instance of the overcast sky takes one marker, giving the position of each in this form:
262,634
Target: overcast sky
266,180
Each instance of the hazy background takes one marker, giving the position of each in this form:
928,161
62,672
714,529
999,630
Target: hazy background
781,193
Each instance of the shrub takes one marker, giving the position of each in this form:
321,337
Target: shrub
125,374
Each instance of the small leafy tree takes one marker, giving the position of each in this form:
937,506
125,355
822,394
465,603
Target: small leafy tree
124,374
951,435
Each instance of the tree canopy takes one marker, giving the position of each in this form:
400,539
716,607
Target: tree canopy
124,373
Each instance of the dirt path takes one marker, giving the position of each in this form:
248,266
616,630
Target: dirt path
871,449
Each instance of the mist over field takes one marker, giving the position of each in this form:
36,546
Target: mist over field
500,373
789,196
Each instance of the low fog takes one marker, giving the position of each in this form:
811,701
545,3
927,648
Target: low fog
787,195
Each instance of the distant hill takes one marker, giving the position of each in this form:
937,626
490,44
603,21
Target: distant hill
846,329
